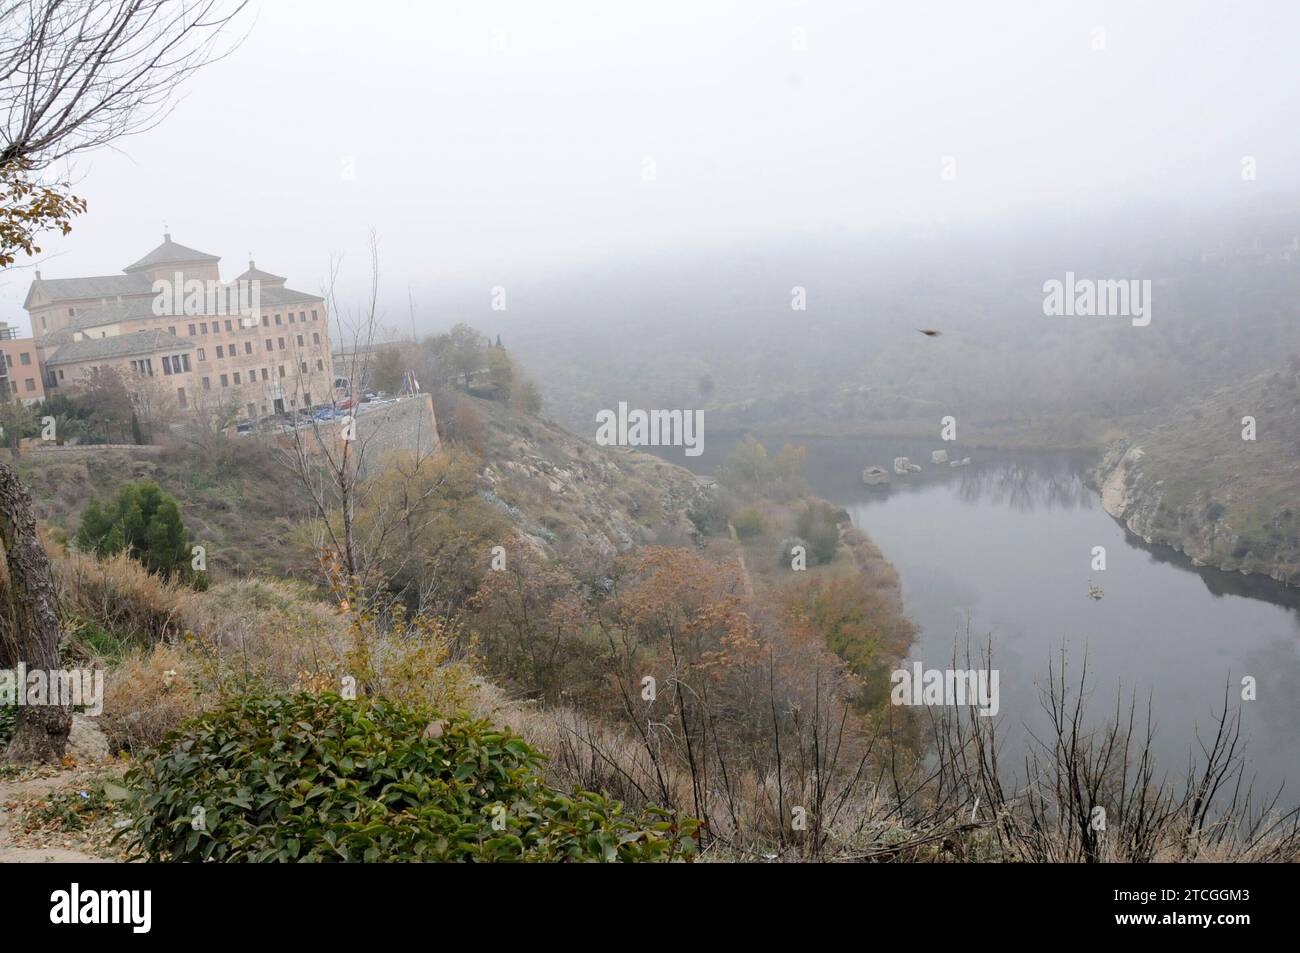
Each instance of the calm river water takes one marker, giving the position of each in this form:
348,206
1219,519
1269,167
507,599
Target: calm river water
1004,548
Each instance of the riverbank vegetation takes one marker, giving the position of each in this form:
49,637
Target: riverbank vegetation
709,700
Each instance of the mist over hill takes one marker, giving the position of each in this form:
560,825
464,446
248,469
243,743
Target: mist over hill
718,329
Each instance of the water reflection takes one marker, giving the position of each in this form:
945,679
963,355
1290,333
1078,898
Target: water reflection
1023,484
1219,582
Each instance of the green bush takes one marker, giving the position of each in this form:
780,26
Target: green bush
317,778
817,524
709,514
144,521
748,523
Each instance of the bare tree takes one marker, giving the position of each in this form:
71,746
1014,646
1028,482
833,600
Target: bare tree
76,74
330,457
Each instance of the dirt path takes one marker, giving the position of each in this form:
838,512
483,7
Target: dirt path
746,579
12,792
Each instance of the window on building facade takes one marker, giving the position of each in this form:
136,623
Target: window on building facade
167,365
207,383
303,367
265,374
277,320
219,354
202,355
180,396
313,314
228,327
315,337
320,365
236,377
281,340
185,361
248,347
171,329
192,330
300,340
25,359
203,328
224,381
30,383
265,321
269,345
281,370
216,327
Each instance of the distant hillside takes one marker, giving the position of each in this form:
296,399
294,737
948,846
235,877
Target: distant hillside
1192,482
718,330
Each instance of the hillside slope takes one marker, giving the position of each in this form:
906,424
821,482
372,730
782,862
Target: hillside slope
1192,482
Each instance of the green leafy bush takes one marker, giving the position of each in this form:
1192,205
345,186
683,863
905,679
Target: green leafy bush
709,514
817,524
317,778
748,523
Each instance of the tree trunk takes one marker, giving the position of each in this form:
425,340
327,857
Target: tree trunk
42,730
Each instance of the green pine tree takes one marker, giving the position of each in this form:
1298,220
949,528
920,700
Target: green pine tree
143,521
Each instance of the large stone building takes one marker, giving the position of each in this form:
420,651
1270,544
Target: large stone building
175,331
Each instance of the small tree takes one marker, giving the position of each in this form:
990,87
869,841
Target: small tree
16,422
501,372
144,521
388,369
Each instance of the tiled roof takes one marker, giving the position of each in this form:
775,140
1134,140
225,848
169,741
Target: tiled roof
119,345
100,286
256,274
136,290
169,252
280,297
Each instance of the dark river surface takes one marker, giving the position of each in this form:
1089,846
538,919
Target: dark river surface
1004,547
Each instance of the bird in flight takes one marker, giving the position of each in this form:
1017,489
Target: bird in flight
930,332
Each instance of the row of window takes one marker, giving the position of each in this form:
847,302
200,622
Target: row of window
171,364
252,375
230,350
25,358
201,327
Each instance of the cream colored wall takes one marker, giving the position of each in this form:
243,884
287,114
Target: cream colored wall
293,388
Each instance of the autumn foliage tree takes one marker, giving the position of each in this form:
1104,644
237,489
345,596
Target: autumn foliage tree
28,209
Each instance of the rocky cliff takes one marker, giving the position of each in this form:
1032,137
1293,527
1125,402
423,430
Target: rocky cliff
1219,480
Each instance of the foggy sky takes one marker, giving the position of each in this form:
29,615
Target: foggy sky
493,142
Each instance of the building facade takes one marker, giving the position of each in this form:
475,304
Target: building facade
21,377
175,332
